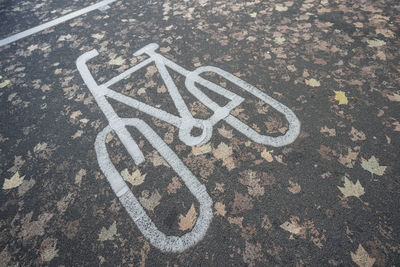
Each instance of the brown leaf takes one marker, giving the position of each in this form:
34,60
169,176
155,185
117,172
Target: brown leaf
350,159
174,185
241,203
187,221
219,208
330,132
150,203
356,135
294,188
225,133
362,258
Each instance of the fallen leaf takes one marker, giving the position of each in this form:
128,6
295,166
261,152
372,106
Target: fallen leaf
350,159
174,185
4,84
253,15
294,188
40,147
357,135
223,151
330,132
341,97
375,43
385,32
351,190
373,166
108,234
219,208
281,8
199,150
136,178
267,155
48,249
292,226
225,133
362,258
187,221
279,40
241,203
394,97
13,182
117,61
77,134
150,203
313,83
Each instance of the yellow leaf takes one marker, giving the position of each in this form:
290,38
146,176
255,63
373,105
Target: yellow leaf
267,155
14,182
341,97
372,166
248,143
5,83
313,83
187,221
136,178
253,15
362,258
351,190
199,150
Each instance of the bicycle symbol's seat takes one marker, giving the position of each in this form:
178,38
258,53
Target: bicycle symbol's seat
185,123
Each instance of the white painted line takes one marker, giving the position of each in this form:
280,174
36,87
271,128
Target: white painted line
54,22
185,123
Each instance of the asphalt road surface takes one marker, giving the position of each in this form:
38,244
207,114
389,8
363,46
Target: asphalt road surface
120,145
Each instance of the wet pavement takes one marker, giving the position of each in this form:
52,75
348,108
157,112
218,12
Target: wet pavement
329,197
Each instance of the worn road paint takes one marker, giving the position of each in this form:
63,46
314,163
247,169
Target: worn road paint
185,123
54,22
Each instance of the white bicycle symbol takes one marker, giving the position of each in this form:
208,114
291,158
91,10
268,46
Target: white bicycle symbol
185,123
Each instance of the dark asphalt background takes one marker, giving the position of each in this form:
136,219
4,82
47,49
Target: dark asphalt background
282,213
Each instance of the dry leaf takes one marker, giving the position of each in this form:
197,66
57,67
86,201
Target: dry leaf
174,185
225,133
117,61
199,150
281,8
13,182
293,226
376,43
350,159
136,178
362,258
150,203
223,151
187,221
220,208
330,132
351,190
313,83
294,188
357,135
108,234
373,166
341,97
394,97
48,249
267,155
253,15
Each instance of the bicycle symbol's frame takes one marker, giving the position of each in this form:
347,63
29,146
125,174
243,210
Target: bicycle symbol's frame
185,123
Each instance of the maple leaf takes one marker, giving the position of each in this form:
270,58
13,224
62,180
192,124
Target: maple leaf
108,234
13,182
341,97
362,258
223,151
136,178
187,221
220,208
199,150
150,203
350,189
373,166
